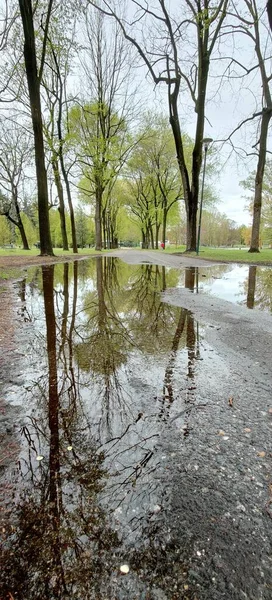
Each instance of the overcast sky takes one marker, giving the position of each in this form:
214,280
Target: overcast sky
228,104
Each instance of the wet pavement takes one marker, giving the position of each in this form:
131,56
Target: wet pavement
135,422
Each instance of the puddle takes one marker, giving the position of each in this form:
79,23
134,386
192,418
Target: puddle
103,370
249,286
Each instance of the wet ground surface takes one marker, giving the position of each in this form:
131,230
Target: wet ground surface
135,422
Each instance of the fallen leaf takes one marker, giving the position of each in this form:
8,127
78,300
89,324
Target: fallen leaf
270,411
261,454
247,430
124,569
231,401
186,587
220,432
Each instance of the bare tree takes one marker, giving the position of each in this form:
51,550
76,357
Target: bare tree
107,71
250,24
54,83
15,155
162,41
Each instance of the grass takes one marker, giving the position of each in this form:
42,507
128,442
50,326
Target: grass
233,255
36,251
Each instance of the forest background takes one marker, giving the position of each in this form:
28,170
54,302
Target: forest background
104,109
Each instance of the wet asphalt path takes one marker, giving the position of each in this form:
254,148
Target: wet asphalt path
212,536
217,456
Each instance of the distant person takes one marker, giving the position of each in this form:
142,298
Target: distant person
162,245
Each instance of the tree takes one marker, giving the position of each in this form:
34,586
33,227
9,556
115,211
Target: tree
15,156
161,39
33,80
265,232
98,135
153,164
104,120
250,25
61,48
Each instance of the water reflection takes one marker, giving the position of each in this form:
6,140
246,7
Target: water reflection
249,286
113,364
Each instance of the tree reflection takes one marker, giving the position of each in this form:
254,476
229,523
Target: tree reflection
252,272
60,537
115,353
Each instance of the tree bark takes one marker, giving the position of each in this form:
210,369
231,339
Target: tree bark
97,217
61,208
257,206
35,103
19,222
70,203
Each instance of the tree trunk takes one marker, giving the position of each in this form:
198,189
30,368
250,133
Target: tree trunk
257,206
35,104
70,203
19,223
164,221
97,217
157,236
23,236
21,228
151,236
61,208
104,229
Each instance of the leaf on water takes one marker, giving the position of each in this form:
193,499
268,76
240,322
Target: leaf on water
39,457
124,569
231,401
261,454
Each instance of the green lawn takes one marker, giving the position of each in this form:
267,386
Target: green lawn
220,254
36,251
229,255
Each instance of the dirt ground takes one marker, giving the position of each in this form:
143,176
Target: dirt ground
8,262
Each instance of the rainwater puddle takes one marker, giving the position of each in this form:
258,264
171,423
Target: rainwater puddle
101,370
249,286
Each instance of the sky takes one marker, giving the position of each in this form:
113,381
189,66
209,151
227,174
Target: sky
227,105
229,101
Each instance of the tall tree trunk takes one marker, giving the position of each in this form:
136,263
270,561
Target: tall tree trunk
257,206
61,208
164,221
35,104
151,236
70,202
97,217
